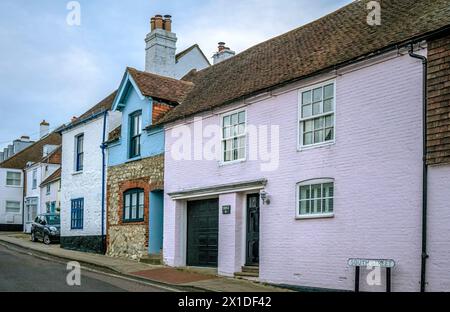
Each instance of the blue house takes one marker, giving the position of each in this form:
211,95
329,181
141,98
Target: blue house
136,163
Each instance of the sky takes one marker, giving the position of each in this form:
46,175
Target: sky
51,70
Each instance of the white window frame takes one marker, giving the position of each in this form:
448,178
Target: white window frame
20,179
223,139
34,179
311,182
13,201
301,120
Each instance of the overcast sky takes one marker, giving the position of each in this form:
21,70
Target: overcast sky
50,70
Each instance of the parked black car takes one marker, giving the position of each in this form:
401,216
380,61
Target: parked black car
46,227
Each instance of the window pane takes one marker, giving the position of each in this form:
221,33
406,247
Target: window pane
308,126
329,91
328,190
304,207
241,129
226,121
317,108
317,206
317,95
308,138
141,205
241,153
329,121
318,136
226,133
307,111
234,119
316,191
127,206
328,106
242,117
329,134
318,123
306,98
304,192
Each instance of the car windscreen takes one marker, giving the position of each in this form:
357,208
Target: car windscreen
53,220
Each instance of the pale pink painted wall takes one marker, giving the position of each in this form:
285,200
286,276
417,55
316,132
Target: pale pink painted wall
376,164
438,275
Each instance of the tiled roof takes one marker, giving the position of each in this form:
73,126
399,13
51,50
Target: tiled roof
324,44
159,87
55,176
33,153
54,157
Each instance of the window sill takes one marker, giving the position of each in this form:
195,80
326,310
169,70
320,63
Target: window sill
318,216
132,222
77,173
134,159
319,145
230,163
14,186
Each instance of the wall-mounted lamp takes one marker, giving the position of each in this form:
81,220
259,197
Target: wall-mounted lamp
265,197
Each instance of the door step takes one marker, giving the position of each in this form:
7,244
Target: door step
248,272
152,259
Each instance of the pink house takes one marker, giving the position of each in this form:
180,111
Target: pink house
306,151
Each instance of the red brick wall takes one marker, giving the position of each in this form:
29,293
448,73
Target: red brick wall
159,110
439,101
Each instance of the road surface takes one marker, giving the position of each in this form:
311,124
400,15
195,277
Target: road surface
21,272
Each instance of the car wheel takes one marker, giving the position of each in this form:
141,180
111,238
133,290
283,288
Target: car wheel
33,237
47,240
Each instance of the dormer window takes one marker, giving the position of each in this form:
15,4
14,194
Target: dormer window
135,134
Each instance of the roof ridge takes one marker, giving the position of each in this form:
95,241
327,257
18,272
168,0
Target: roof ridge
158,76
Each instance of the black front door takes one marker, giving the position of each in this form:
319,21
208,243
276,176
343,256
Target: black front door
252,229
203,233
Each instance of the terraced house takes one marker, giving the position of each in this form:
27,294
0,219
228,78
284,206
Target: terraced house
85,158
135,152
332,144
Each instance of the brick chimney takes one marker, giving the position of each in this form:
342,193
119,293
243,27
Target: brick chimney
223,53
44,128
161,44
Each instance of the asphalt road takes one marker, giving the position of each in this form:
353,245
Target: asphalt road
21,272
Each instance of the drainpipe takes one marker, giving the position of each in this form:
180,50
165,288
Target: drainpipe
425,255
103,147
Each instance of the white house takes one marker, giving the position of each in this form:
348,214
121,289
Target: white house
51,193
13,184
83,176
11,199
35,174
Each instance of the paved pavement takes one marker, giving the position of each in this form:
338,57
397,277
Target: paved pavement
179,279
22,272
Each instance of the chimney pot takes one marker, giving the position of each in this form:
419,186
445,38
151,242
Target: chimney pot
221,46
74,118
158,22
167,23
152,24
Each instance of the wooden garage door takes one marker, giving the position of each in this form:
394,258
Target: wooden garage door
203,233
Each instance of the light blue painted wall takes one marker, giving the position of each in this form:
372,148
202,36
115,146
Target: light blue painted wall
152,142
156,222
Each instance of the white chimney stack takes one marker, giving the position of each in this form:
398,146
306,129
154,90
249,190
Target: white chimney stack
44,129
223,53
161,45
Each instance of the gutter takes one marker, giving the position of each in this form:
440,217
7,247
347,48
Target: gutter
424,255
103,146
82,121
